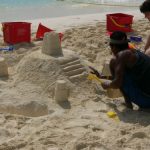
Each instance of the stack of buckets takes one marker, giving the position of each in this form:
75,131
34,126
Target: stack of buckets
119,22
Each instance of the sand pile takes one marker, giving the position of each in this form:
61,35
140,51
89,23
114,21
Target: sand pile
91,42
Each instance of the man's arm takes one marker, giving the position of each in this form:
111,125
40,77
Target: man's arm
118,73
147,45
119,66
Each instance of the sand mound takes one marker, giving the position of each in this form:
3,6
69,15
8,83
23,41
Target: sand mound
44,70
32,109
38,68
90,42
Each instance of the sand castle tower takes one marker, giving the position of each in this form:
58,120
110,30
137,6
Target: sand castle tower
106,69
61,91
112,93
3,68
51,44
47,72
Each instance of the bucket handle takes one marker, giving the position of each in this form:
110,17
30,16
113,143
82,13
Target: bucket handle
118,25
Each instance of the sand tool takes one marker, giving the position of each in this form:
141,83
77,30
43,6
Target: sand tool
9,48
113,115
94,77
111,93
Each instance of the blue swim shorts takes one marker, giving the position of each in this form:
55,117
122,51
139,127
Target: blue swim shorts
133,92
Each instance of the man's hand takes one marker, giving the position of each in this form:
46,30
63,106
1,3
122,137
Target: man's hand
106,84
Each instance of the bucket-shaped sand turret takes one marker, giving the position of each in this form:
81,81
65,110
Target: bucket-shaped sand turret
3,67
51,44
61,91
112,93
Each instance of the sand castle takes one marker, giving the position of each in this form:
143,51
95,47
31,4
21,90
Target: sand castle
52,70
65,63
61,91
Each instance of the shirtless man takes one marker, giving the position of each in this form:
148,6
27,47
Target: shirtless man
130,71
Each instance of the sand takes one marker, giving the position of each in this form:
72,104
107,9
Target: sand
30,118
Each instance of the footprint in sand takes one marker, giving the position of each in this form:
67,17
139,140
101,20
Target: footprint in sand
139,135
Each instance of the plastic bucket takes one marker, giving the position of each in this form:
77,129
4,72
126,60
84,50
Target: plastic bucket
119,22
42,30
16,32
135,38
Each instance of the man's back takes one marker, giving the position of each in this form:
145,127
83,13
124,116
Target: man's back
141,72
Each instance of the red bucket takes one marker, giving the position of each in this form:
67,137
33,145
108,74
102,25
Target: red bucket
119,22
42,30
16,32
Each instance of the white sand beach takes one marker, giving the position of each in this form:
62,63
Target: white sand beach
31,119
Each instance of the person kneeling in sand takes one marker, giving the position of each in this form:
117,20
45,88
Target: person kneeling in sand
130,71
145,9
